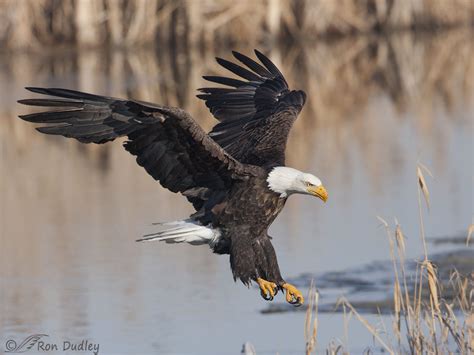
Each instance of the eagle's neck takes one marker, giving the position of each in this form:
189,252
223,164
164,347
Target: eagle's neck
284,180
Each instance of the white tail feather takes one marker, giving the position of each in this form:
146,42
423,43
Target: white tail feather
173,223
188,231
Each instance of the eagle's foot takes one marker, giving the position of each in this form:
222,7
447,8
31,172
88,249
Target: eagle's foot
293,295
268,289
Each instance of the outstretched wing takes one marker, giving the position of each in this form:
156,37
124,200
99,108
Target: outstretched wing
256,113
167,142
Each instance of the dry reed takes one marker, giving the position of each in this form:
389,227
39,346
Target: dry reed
311,325
470,230
34,24
419,326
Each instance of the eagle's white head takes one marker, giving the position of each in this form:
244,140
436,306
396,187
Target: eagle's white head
286,181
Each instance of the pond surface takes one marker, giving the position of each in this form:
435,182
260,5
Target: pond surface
70,213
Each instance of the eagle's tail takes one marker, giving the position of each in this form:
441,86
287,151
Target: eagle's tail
188,231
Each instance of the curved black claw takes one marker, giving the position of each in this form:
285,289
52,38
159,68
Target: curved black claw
296,302
266,297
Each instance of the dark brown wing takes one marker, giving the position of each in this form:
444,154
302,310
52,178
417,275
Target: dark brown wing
167,142
255,114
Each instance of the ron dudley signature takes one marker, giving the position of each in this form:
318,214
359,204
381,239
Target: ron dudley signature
39,343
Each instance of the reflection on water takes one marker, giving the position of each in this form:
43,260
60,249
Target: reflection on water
70,212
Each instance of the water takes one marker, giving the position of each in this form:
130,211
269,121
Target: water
70,213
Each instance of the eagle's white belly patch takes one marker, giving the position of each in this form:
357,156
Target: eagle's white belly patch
185,231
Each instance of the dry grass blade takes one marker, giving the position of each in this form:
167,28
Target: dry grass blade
470,230
311,325
464,288
309,314
347,318
400,238
432,283
470,331
383,221
422,184
366,323
426,193
454,328
397,307
397,294
334,348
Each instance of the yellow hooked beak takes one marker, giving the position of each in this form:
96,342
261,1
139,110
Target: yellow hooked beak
319,191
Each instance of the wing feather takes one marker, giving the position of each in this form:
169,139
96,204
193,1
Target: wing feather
238,70
166,141
251,64
256,114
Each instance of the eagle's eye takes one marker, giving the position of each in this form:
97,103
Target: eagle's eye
308,184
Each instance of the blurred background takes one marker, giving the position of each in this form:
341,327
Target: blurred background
390,83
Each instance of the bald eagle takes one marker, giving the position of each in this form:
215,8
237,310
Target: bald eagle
234,176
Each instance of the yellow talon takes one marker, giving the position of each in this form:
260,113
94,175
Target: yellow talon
293,295
268,289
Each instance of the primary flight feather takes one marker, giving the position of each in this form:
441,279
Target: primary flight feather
235,176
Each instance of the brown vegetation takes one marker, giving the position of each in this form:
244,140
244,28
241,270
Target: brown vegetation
34,24
420,324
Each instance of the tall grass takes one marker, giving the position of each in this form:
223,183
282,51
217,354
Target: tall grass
421,325
34,24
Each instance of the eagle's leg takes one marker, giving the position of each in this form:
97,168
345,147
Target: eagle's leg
256,260
249,263
272,271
